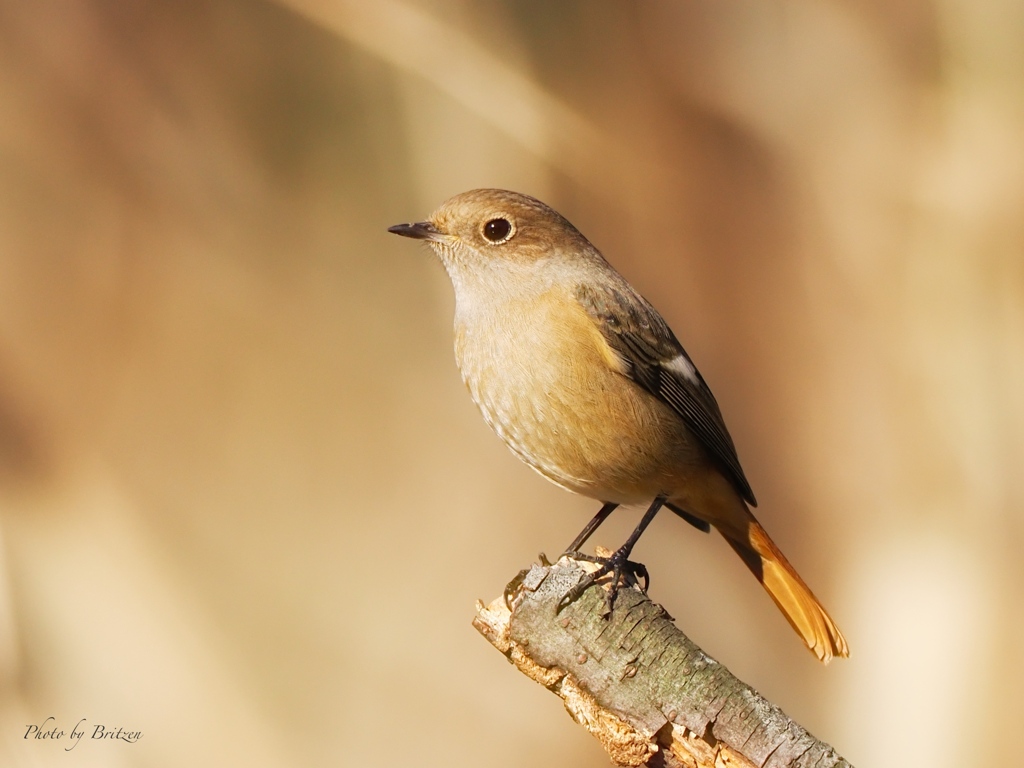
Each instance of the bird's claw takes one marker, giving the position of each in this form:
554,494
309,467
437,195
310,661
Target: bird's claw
513,586
618,565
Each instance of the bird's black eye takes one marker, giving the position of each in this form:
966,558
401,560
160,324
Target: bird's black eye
497,230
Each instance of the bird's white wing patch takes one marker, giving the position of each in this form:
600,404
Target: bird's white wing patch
681,364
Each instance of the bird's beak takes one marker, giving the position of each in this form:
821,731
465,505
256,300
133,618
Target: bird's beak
421,230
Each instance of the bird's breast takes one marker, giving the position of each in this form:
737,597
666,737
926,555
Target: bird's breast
549,386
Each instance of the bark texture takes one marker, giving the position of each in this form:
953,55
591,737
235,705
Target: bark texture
637,683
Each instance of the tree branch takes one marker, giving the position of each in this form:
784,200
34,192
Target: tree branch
637,683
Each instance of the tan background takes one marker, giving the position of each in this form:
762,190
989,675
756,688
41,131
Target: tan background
245,503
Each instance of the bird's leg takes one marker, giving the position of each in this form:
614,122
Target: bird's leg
573,549
618,562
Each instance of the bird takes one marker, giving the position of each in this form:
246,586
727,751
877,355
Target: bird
585,382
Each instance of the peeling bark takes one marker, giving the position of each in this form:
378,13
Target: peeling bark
647,693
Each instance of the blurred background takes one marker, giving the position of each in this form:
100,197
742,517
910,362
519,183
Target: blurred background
246,505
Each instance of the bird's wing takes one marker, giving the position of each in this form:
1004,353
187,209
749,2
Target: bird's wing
654,359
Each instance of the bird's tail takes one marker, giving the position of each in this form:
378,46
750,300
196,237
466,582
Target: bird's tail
796,601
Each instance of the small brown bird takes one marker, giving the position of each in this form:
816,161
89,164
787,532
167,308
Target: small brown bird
586,383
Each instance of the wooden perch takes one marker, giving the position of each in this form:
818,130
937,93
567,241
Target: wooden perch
638,684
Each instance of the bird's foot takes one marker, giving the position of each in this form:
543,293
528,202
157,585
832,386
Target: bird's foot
513,586
623,571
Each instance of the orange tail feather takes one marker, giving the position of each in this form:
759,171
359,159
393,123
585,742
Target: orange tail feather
796,601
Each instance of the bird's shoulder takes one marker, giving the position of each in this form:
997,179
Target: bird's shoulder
648,352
